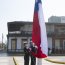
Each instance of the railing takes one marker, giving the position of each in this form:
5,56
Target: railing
55,33
15,50
26,33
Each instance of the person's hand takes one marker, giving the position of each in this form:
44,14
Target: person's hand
36,47
30,49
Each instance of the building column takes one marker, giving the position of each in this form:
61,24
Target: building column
53,45
29,40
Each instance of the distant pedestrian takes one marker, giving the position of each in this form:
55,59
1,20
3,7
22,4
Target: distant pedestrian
26,55
49,50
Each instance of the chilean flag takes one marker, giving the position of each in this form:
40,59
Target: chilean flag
39,37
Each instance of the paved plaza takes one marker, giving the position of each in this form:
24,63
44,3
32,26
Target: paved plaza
20,60
8,60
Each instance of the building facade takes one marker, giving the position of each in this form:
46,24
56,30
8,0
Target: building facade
18,34
21,32
56,37
56,19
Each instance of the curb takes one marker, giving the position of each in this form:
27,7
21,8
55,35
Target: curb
15,61
53,61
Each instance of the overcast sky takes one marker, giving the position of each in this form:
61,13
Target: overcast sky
22,10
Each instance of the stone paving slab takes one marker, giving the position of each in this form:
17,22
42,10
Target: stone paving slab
6,61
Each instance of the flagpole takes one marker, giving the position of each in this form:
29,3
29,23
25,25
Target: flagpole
39,61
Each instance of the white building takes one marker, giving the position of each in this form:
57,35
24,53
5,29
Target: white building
20,32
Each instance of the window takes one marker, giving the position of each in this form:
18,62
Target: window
57,44
13,44
64,44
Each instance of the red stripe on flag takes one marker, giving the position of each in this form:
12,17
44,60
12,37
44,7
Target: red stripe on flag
36,30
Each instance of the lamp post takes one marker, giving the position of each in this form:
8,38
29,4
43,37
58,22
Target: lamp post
2,40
